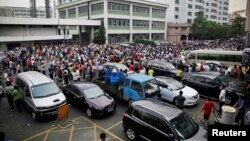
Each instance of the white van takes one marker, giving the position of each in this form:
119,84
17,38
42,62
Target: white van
41,95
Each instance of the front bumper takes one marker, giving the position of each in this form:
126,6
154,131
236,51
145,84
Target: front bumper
107,110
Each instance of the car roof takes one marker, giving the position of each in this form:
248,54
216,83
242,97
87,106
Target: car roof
35,78
140,77
167,110
205,75
84,85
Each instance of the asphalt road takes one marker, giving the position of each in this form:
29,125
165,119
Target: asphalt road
21,126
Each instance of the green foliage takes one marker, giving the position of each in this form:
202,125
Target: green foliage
99,36
208,30
145,42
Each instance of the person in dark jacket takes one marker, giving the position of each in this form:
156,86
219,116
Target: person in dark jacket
180,100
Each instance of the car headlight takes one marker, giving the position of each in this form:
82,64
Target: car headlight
97,108
190,98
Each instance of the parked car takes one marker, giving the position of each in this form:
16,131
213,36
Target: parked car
41,95
208,84
158,121
161,68
90,98
170,88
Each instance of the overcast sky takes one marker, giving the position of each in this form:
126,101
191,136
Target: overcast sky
234,5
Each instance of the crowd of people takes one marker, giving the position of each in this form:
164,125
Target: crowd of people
73,62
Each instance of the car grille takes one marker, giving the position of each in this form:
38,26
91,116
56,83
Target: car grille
195,97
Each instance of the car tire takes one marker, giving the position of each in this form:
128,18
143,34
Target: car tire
89,112
130,133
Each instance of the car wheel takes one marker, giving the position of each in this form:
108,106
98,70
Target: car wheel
131,134
89,112
228,100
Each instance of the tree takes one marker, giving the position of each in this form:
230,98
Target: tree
199,25
237,28
99,36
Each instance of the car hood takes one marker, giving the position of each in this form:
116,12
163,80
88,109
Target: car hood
236,86
50,100
199,136
188,91
101,101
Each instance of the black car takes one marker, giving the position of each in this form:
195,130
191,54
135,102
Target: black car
208,84
161,68
89,97
158,121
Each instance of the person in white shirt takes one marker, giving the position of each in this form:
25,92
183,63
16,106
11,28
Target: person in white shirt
222,97
248,117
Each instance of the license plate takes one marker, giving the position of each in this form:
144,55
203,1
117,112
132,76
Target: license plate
54,113
111,109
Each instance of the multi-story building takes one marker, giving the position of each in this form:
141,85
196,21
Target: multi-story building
124,20
184,11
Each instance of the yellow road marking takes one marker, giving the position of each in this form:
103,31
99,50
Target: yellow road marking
113,135
71,133
114,125
61,130
27,139
46,136
94,132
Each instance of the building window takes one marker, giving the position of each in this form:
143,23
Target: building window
62,14
225,8
177,1
225,3
118,23
118,7
72,13
142,11
83,11
141,24
207,3
158,25
207,10
176,16
190,6
189,13
198,7
189,20
176,8
213,17
97,7
224,19
206,16
224,13
158,13
220,2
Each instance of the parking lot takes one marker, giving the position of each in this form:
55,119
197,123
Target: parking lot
20,126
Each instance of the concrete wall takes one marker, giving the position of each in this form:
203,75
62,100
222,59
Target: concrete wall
26,31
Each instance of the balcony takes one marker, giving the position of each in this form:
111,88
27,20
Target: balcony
118,12
140,28
141,14
118,27
99,12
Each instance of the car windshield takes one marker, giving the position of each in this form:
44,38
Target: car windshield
171,67
45,90
224,79
185,125
176,85
151,87
93,92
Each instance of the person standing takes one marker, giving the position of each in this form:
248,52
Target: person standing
222,97
207,109
180,100
17,96
8,91
179,74
240,107
150,71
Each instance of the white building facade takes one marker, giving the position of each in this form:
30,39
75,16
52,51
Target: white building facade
124,20
184,11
